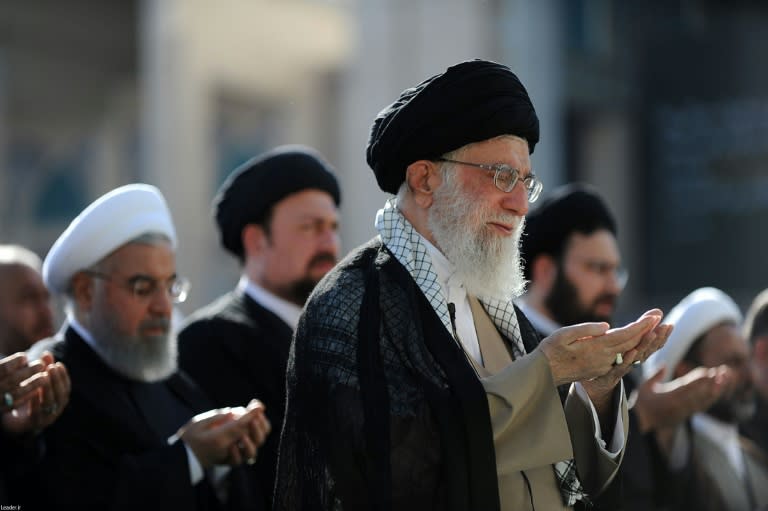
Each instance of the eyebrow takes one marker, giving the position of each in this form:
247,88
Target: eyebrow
142,276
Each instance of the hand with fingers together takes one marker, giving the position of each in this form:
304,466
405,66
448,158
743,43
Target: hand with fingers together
14,370
228,435
34,394
645,343
246,448
587,352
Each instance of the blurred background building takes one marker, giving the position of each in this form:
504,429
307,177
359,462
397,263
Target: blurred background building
662,104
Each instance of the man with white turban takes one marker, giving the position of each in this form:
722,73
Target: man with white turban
756,333
130,437
731,470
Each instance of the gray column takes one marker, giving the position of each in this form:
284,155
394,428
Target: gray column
177,153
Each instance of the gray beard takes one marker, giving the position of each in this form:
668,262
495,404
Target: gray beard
487,264
147,358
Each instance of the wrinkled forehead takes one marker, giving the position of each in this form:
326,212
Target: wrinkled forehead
144,256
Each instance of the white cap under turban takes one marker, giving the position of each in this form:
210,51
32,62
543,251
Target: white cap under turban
695,315
109,222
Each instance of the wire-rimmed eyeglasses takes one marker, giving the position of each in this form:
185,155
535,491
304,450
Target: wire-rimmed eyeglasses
506,177
605,269
144,287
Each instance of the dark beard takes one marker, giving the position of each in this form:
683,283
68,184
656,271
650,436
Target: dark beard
298,292
563,303
735,409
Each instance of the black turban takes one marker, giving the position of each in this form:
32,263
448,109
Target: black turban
248,194
571,208
470,102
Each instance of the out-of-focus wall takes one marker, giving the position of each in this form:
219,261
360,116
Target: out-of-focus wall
179,92
207,68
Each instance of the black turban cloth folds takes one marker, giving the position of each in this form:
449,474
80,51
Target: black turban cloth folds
248,194
470,102
572,208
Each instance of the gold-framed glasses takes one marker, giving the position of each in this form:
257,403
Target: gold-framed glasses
144,287
505,177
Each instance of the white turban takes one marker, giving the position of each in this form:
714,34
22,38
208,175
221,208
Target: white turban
694,316
109,222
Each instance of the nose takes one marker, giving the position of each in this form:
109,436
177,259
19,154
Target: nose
161,303
618,279
614,283
329,240
516,200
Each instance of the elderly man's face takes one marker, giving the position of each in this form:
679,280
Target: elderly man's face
302,244
724,344
478,226
25,308
132,328
586,287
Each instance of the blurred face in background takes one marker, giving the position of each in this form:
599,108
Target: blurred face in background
25,308
725,345
589,279
300,246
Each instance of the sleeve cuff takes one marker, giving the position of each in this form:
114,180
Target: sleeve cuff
612,450
196,472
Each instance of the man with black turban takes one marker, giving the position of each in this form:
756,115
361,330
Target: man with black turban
277,213
573,265
572,260
414,382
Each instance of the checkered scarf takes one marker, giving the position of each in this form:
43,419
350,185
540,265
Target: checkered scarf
406,245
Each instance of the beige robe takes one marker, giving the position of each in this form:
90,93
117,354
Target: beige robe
731,487
531,429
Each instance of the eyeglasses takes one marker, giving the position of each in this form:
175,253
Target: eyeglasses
144,287
604,269
506,177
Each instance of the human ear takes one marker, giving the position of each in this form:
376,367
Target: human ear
81,289
254,239
544,272
423,178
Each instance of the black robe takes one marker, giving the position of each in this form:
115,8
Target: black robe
383,409
19,458
109,450
236,350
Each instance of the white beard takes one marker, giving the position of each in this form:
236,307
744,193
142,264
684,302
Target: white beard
486,262
143,358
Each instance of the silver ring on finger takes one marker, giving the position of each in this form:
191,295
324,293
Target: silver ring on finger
8,399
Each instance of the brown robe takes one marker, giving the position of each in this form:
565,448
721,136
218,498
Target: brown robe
531,428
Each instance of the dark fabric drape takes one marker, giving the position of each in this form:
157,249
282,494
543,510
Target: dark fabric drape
402,424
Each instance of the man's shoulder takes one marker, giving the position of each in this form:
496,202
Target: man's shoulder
221,307
53,344
337,298
228,309
361,256
351,267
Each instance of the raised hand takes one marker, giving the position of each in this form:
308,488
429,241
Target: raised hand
226,435
588,350
665,405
